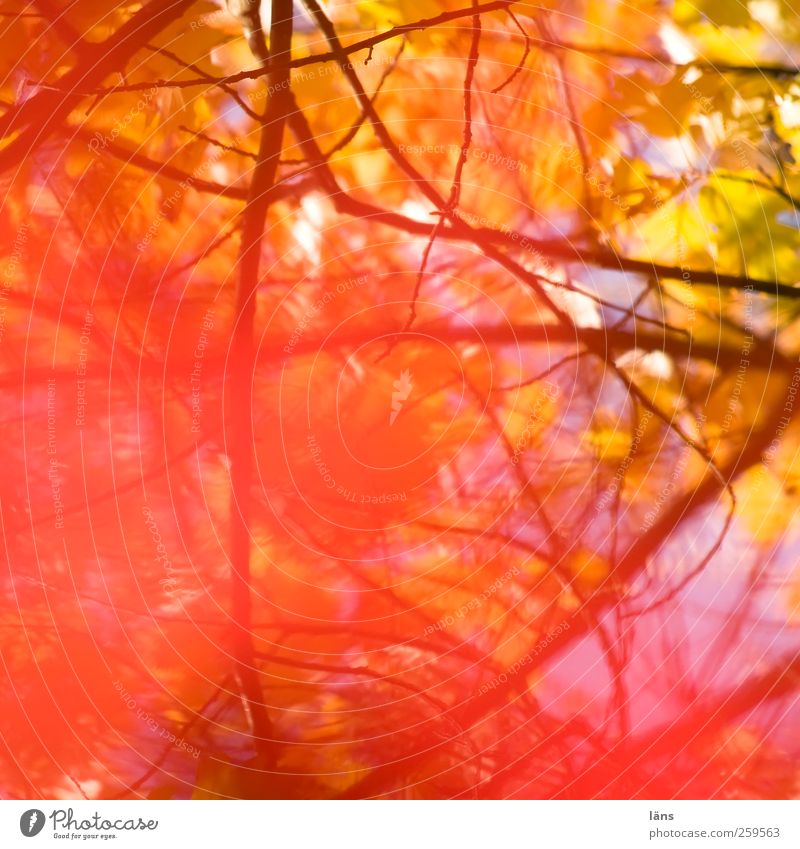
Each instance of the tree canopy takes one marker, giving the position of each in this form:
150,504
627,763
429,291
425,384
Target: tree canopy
400,399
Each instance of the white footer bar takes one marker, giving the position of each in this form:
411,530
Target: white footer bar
403,825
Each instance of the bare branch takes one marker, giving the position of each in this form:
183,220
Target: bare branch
242,361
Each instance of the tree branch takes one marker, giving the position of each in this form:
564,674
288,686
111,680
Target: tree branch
242,372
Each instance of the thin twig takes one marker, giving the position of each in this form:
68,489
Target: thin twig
522,61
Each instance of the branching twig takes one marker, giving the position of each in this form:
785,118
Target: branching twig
466,144
525,54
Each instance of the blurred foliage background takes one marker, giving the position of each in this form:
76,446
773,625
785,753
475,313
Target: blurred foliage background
513,405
